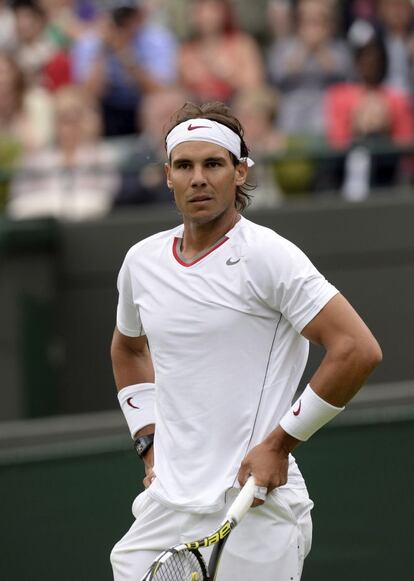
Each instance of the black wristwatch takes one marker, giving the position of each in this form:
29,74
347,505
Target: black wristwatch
142,444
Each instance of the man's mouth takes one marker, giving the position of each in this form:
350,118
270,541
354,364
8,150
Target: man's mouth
200,198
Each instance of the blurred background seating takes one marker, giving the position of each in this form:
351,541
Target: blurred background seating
76,177
307,56
143,156
218,59
303,64
120,60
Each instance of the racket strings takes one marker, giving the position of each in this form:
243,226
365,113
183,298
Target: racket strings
180,566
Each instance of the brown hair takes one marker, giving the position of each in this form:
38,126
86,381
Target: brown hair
219,112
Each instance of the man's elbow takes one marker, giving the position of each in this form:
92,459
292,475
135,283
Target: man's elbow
370,356
362,354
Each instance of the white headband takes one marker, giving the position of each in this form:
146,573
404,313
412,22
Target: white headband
206,130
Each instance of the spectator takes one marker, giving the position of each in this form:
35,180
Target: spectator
368,113
279,175
7,27
304,65
42,62
85,10
68,20
11,120
74,180
397,19
127,59
143,175
280,18
24,119
353,10
257,110
367,106
219,59
25,111
11,98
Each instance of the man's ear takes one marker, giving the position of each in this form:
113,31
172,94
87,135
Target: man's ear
241,173
167,169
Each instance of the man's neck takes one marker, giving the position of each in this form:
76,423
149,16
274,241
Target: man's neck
198,237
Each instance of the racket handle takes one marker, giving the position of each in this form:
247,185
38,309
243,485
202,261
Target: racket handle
243,502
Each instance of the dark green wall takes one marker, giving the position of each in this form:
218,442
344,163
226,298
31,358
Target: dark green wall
61,515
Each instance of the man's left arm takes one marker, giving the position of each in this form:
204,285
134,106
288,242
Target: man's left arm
352,353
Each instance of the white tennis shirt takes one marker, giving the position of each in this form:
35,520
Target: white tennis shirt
224,335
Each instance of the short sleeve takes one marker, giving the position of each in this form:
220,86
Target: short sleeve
127,316
299,290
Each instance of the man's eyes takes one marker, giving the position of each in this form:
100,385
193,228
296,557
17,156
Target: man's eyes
185,165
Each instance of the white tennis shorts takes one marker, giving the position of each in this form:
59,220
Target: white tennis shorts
270,543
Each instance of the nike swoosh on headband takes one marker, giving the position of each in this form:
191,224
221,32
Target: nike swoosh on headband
192,127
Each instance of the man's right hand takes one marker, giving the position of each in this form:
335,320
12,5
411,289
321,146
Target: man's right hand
149,477
149,467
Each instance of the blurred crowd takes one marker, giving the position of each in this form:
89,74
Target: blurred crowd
325,93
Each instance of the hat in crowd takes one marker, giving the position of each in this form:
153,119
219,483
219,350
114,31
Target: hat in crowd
361,33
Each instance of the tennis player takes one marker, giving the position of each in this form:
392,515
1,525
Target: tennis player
213,326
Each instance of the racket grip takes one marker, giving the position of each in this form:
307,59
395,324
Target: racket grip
243,502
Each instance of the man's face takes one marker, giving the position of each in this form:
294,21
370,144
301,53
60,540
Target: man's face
204,180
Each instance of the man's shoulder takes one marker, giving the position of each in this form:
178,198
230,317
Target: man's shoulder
265,246
256,235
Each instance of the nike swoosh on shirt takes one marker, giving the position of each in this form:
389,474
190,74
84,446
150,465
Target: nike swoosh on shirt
230,262
192,127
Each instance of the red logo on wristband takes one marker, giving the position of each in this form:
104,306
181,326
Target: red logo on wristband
296,412
131,404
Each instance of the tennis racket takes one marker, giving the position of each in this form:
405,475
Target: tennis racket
184,562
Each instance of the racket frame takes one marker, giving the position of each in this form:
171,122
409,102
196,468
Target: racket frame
218,538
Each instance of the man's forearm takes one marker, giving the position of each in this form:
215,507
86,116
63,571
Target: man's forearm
280,441
131,367
342,373
134,378
352,352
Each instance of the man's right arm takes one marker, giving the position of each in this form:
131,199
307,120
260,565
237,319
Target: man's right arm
132,364
131,360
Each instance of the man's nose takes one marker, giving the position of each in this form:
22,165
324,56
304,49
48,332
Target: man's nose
198,178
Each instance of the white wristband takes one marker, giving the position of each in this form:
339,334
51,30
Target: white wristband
309,413
137,405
